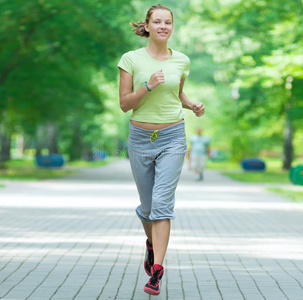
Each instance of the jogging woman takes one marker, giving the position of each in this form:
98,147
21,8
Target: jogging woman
151,84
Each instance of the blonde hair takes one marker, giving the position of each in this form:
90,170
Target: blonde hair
139,26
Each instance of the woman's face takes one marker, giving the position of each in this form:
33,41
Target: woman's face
160,25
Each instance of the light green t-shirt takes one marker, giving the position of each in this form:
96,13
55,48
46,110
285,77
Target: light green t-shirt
161,105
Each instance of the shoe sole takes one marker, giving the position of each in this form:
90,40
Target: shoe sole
151,291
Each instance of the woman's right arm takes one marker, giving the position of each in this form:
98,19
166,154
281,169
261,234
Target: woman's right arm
130,99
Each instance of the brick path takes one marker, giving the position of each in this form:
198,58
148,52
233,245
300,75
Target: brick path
79,238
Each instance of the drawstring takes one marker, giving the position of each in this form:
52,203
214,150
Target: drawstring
153,135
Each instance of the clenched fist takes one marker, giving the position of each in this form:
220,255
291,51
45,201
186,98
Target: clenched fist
198,108
156,79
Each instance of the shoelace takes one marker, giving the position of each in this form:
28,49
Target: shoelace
153,135
154,279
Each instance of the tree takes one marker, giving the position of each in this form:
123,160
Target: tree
51,55
256,49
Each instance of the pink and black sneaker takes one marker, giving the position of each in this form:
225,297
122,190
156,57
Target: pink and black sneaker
149,258
154,283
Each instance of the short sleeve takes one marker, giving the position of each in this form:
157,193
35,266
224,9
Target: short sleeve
207,141
186,67
126,63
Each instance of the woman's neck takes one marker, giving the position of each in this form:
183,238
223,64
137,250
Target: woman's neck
158,50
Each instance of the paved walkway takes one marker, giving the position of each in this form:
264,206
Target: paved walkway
79,238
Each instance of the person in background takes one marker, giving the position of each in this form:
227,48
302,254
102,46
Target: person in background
199,152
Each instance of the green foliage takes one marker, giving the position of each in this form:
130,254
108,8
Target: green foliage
51,59
58,66
250,51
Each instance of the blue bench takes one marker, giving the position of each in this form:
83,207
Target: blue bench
51,160
253,164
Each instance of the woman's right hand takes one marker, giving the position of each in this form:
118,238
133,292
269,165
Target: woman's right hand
156,79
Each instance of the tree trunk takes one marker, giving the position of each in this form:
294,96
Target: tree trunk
5,142
52,144
288,146
75,149
40,133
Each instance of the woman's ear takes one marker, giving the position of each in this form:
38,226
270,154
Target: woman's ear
146,27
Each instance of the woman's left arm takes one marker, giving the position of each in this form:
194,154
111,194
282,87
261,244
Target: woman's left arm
197,107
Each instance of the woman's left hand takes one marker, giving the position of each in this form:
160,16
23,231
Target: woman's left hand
198,108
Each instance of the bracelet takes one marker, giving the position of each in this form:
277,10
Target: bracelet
147,86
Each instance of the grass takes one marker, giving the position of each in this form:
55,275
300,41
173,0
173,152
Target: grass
27,170
21,169
88,164
272,174
275,176
222,165
296,196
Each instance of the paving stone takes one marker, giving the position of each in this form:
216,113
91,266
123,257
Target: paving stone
79,237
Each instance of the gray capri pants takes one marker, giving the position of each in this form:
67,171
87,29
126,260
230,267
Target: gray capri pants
156,159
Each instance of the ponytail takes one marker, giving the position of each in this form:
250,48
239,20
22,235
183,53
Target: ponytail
139,29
